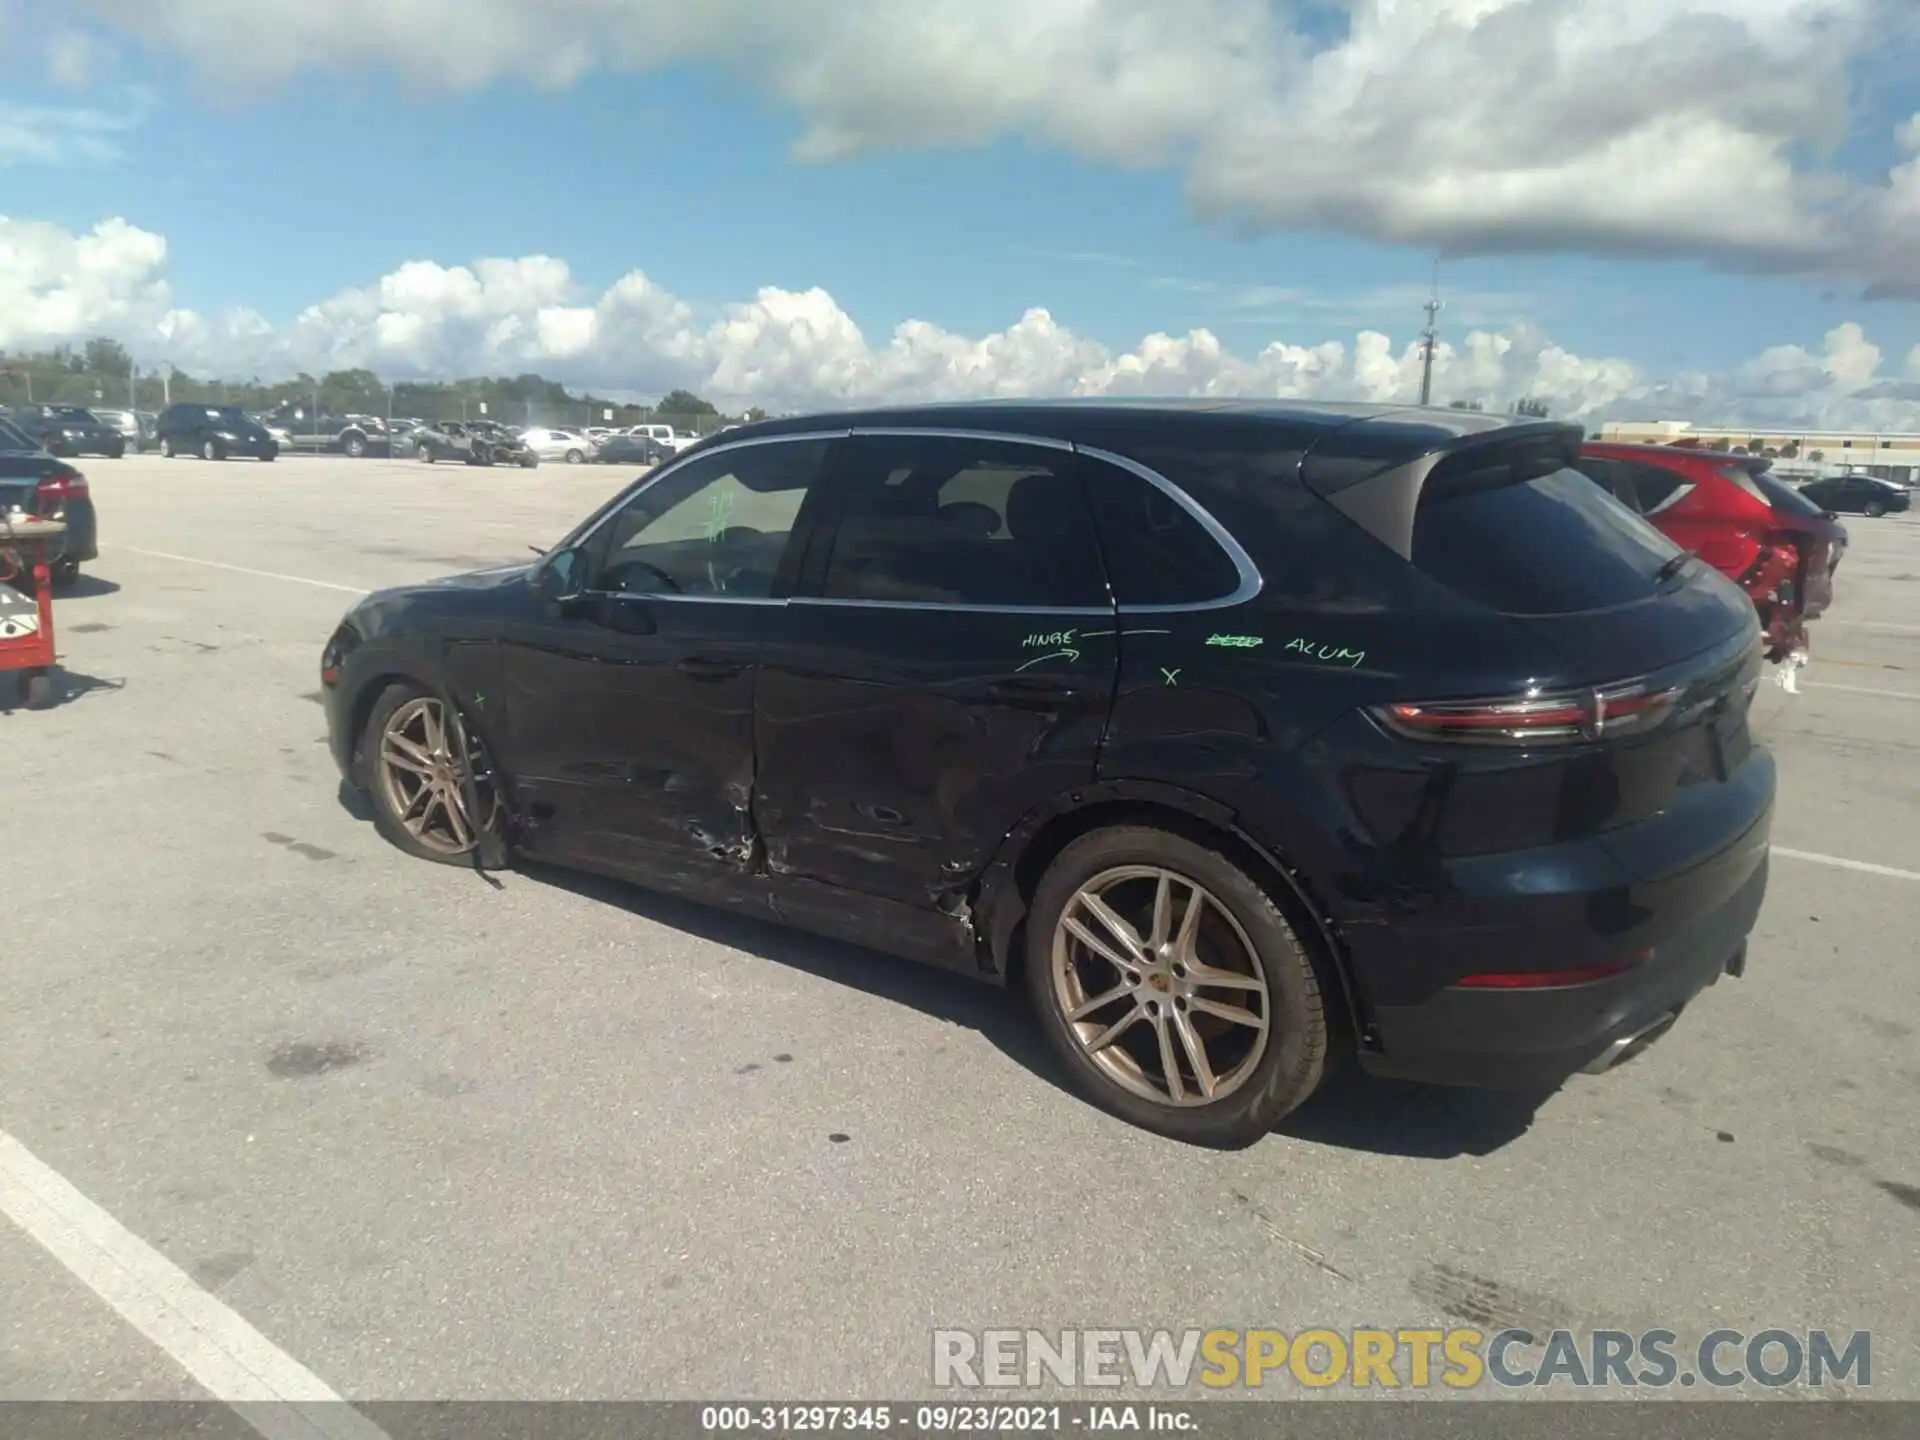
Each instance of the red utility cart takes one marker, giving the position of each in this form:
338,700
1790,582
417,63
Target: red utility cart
26,635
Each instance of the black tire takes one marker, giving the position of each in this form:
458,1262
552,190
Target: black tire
36,690
426,454
213,450
65,573
119,452
367,779
527,462
167,451
354,447
574,457
1874,510
1298,1043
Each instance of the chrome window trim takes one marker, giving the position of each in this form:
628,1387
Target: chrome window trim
952,606
1251,582
592,525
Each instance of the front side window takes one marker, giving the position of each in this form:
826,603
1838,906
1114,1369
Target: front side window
946,521
716,527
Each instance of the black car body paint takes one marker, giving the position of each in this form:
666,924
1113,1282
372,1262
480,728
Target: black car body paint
894,771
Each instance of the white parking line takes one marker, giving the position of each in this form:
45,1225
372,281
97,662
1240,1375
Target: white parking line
236,1364
239,569
1859,690
1842,864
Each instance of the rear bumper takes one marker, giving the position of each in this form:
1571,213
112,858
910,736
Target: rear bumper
1685,931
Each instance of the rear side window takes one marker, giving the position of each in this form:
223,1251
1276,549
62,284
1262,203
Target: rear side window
1784,498
946,521
1556,545
1156,552
1655,486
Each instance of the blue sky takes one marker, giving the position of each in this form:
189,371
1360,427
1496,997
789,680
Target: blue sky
329,180
690,177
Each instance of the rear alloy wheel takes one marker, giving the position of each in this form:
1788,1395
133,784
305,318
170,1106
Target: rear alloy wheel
413,762
574,457
213,450
1874,510
166,449
1172,987
353,447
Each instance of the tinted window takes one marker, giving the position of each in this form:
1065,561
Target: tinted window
1552,546
1614,477
962,522
1156,552
1785,498
1654,486
716,526
12,439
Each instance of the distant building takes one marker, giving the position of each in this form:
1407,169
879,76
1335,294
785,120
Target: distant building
1890,455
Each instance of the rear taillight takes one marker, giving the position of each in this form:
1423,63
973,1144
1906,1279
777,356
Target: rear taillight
1551,979
1572,717
52,494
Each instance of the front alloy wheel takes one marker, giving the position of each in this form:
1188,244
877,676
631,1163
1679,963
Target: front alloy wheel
1173,988
417,758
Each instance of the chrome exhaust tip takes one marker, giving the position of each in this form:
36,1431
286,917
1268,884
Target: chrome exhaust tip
1627,1046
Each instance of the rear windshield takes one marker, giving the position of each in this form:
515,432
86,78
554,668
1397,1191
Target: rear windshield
1784,498
1556,545
12,439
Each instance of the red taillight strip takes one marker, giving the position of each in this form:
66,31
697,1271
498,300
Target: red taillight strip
1567,718
1547,979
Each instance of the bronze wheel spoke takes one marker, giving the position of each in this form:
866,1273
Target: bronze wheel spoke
1177,951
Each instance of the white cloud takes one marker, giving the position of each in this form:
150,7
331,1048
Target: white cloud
799,349
61,134
1674,127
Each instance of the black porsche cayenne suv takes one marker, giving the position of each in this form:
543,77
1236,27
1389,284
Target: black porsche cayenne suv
1247,734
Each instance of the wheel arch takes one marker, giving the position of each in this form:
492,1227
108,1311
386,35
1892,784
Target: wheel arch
1005,890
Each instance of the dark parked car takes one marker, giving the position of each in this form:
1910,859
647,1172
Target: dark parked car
1859,495
134,426
68,430
1781,549
632,450
45,485
476,442
1246,733
213,432
322,432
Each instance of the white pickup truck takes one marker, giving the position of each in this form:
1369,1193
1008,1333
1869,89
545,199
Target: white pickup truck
673,439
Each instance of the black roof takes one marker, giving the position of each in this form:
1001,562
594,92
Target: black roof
1390,429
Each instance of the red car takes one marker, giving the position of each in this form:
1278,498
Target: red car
1772,541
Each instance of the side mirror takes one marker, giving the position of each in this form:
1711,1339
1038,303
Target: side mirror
562,579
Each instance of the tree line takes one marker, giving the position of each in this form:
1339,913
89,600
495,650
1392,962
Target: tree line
101,372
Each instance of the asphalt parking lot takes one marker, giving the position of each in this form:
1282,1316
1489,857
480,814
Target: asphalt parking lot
434,1136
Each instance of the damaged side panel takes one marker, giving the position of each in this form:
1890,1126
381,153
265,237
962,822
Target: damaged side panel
632,745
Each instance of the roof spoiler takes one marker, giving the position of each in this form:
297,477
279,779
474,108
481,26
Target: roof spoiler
1378,472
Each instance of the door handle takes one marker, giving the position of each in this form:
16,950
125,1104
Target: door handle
705,667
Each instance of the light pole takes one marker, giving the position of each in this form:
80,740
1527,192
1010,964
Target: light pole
1430,337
